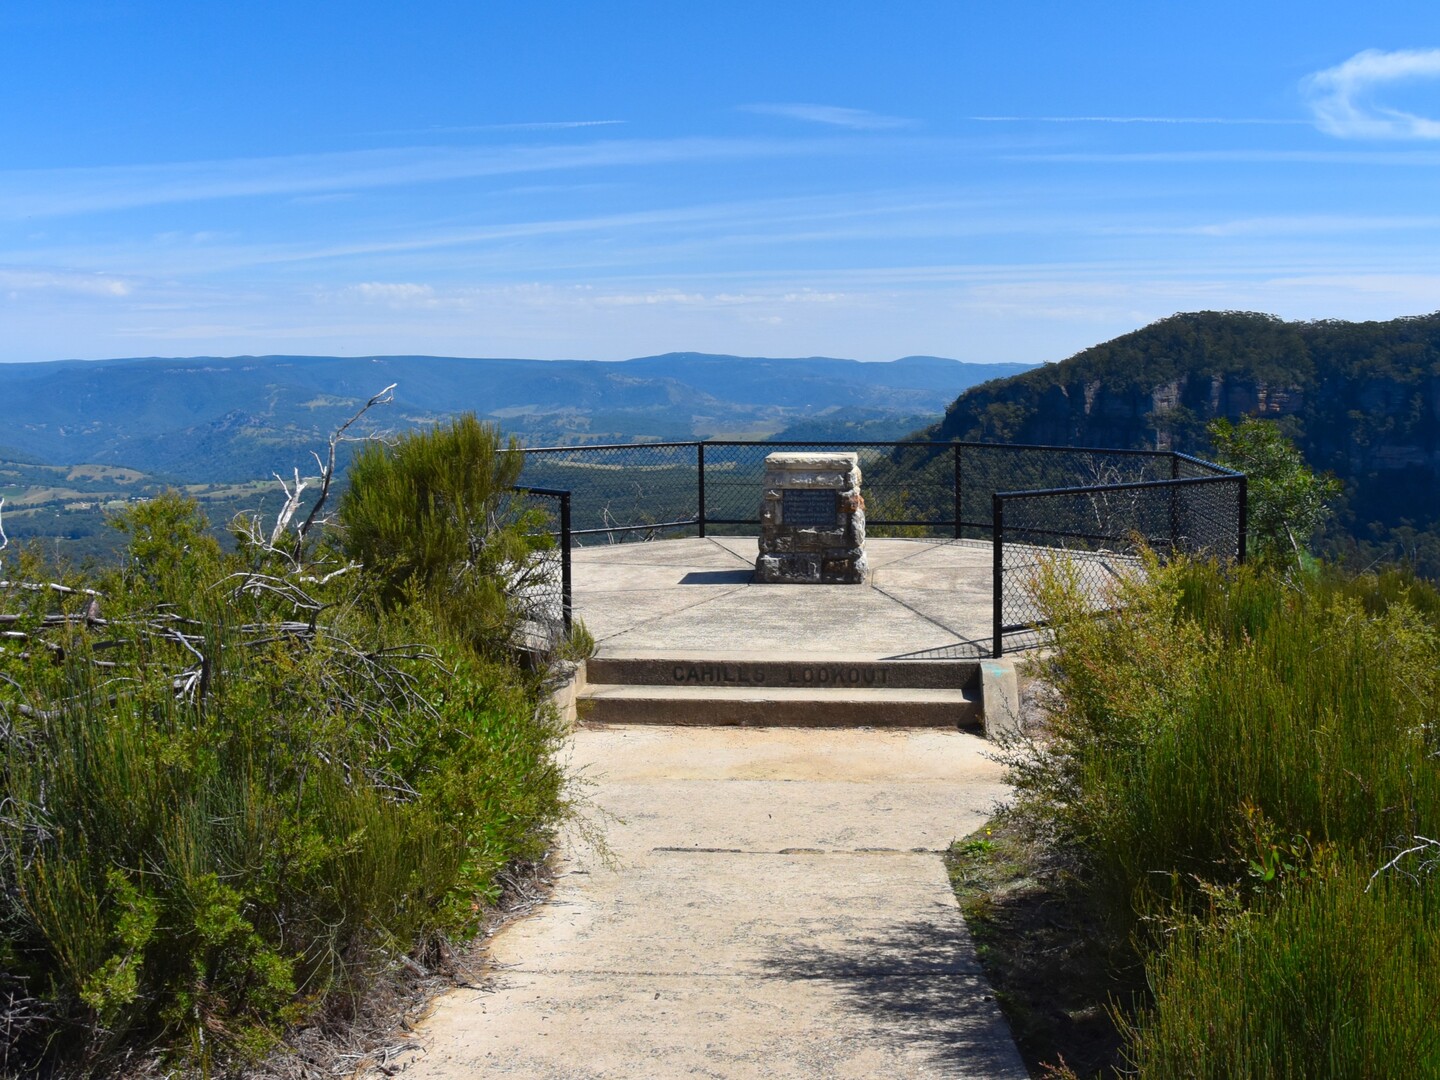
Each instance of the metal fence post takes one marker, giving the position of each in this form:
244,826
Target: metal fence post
700,485
997,543
565,581
955,449
1244,522
1174,507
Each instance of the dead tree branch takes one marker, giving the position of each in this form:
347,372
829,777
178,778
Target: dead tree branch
327,470
250,529
1425,845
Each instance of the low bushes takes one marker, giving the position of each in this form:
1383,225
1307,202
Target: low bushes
1232,755
233,788
1326,980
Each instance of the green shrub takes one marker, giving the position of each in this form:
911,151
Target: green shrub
432,518
1287,501
1219,714
1328,980
1232,755
228,804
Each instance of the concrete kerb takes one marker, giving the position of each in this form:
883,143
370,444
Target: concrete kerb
569,681
1000,699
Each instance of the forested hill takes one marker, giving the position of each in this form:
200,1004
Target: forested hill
1361,400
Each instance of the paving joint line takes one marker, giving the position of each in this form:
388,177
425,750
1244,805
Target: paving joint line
669,614
796,851
926,550
740,558
962,640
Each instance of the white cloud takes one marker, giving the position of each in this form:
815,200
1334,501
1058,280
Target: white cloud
17,281
395,294
664,297
1282,225
1020,311
834,115
1342,98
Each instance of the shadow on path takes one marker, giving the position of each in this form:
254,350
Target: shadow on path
717,577
919,979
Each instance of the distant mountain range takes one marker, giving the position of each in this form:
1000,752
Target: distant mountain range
215,419
1360,399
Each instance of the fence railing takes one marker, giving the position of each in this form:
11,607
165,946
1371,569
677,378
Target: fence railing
1100,505
543,590
1102,530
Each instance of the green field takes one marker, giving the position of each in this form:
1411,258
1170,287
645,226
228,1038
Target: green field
67,507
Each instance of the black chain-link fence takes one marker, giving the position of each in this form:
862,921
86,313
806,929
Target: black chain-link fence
540,590
1101,531
1098,505
985,468
622,493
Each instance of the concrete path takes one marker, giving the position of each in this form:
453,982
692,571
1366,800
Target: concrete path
777,909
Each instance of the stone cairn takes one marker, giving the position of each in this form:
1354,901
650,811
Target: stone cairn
812,521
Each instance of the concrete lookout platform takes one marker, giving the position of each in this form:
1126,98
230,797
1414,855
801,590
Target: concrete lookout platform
686,635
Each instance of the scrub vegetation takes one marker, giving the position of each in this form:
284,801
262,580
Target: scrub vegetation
236,787
1234,796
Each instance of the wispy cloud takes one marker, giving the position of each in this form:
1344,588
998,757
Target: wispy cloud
1315,225
569,299
17,281
39,193
833,115
1223,120
395,294
1240,157
684,232
1276,226
468,129
1343,98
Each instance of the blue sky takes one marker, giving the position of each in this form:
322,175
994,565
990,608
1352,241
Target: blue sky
985,181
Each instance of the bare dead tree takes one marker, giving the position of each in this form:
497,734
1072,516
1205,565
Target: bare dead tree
250,528
327,470
351,678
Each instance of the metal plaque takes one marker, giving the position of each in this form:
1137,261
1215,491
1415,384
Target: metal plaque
808,507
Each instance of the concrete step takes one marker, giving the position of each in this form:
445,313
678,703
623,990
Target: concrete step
757,670
768,706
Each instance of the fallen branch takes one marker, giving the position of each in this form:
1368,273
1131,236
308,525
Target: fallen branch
1425,844
52,586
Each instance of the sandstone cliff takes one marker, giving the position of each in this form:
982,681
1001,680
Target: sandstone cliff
1361,400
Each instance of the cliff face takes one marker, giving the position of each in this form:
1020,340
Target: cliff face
1360,399
1167,415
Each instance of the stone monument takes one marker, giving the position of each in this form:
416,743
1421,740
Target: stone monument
812,521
